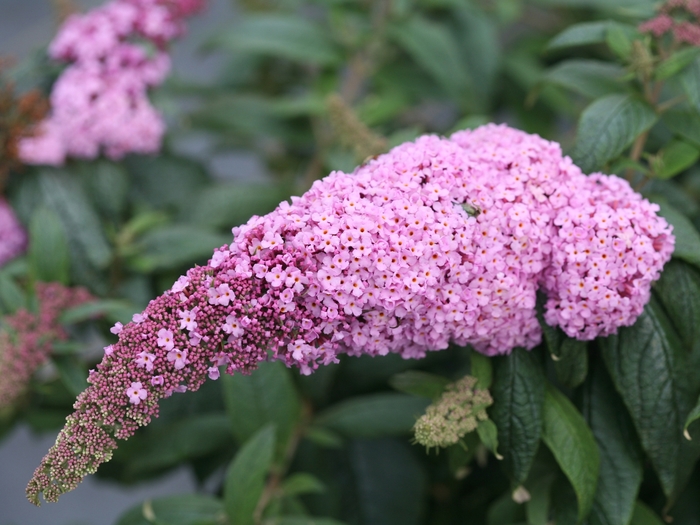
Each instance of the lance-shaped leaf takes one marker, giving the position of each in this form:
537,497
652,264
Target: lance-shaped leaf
185,509
649,367
567,435
518,395
48,247
582,34
590,78
620,454
607,127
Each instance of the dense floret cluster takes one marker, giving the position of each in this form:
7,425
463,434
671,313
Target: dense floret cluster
100,102
437,241
27,338
13,237
681,18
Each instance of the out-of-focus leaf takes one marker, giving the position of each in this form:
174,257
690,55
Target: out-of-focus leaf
419,383
389,483
643,515
435,50
620,454
48,248
266,396
185,509
11,296
690,81
518,396
174,246
302,483
228,205
301,520
323,437
675,158
618,40
72,372
374,415
482,369
245,479
676,63
579,34
280,35
687,237
650,369
567,435
114,310
684,123
607,127
591,78
108,185
537,509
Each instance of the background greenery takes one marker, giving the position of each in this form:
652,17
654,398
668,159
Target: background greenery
588,432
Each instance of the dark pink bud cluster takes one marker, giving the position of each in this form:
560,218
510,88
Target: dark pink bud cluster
437,241
100,102
27,338
680,17
13,238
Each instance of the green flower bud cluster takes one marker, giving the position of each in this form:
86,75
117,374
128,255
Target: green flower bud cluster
458,411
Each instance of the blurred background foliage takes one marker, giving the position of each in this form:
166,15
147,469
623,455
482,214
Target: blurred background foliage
308,87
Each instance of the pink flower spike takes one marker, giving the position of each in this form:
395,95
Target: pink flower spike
136,393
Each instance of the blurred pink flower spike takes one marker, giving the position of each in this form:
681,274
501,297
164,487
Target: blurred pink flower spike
13,237
437,241
100,103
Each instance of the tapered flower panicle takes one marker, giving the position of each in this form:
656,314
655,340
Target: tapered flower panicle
13,237
437,241
27,339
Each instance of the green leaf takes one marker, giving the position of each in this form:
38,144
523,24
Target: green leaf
389,483
518,395
570,355
618,40
643,515
245,478
687,236
488,434
683,123
302,520
323,437
607,127
678,289
419,383
434,49
11,296
590,78
649,367
567,435
108,184
175,246
676,63
280,35
185,509
374,415
581,34
48,247
112,309
482,369
302,483
266,396
538,507
675,158
620,455
690,81
693,416
72,373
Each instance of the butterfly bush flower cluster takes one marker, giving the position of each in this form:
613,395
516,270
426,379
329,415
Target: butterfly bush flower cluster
27,338
13,237
437,241
100,102
681,18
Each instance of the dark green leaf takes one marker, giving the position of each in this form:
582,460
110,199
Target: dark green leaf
578,35
482,369
679,292
537,508
112,309
72,373
245,479
676,62
488,434
108,184
11,295
675,158
567,435
643,515
174,246
48,247
692,417
518,395
649,367
266,396
389,481
687,237
620,454
301,520
302,483
323,437
690,80
419,383
374,415
185,509
684,123
280,35
571,365
607,127
591,78
434,49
